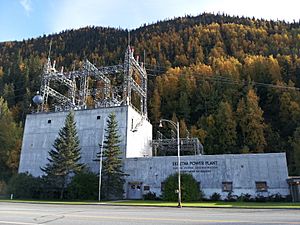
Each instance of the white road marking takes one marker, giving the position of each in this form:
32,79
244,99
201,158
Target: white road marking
16,223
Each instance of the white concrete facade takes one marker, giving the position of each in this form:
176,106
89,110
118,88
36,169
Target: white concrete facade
139,135
243,171
147,173
41,129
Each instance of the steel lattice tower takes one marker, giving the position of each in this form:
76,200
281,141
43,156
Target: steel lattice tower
134,81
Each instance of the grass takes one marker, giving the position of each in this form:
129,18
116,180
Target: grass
50,202
272,205
253,205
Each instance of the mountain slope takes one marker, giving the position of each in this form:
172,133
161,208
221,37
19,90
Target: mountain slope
230,81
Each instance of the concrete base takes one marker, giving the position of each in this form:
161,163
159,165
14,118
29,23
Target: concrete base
246,173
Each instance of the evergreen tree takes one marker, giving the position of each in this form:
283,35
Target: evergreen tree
295,143
112,175
226,136
251,123
184,90
289,113
9,94
65,155
208,134
155,105
183,130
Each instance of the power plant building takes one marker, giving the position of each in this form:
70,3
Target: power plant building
254,174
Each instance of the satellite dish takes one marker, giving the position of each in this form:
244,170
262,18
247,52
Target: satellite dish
37,99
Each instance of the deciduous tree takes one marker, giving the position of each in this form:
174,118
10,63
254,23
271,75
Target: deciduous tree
10,141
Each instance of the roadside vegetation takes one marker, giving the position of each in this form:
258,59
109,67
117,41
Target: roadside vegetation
65,178
83,189
152,203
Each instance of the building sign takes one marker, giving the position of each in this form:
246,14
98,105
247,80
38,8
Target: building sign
201,166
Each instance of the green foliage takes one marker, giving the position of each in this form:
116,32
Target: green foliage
221,128
251,123
65,155
155,106
3,187
215,197
112,174
24,186
226,135
295,143
199,62
150,196
84,185
10,142
190,190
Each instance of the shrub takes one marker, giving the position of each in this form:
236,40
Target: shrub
3,186
150,196
277,198
245,198
190,190
83,185
231,198
24,185
215,197
260,198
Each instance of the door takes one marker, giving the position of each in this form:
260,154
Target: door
134,190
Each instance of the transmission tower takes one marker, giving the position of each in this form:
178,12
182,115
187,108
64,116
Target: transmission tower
135,79
77,83
51,75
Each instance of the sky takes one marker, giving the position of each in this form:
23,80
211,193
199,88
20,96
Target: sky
24,19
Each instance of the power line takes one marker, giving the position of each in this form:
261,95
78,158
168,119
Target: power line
220,79
228,80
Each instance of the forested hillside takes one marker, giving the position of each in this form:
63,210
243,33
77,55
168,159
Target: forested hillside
232,82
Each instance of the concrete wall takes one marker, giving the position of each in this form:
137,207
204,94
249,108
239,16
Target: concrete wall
211,170
139,135
136,133
39,136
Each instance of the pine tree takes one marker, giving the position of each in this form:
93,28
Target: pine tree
112,176
65,155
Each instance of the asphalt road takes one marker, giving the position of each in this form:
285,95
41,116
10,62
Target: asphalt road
32,214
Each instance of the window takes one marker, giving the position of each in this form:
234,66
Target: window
146,188
227,186
162,186
98,117
261,186
131,124
49,121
